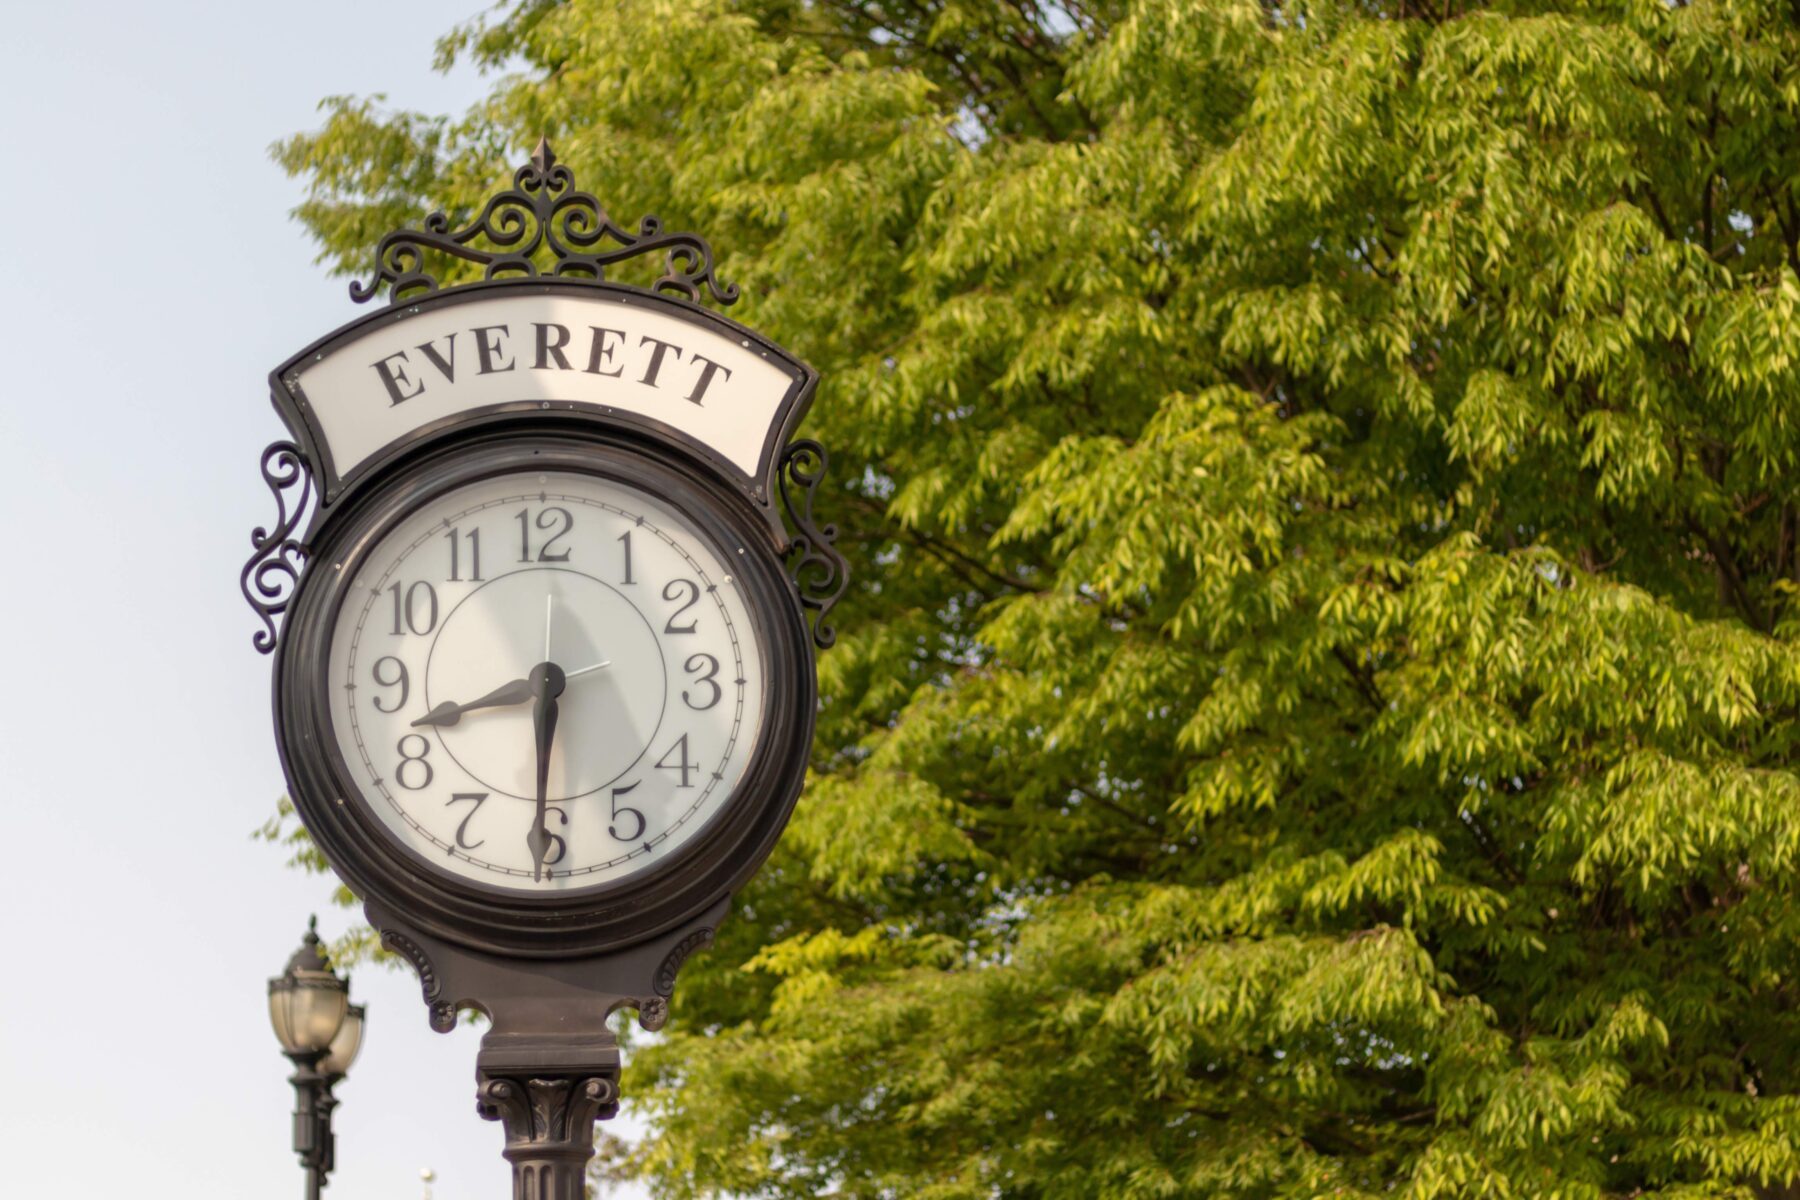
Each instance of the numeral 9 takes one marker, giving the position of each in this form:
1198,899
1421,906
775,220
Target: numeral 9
401,681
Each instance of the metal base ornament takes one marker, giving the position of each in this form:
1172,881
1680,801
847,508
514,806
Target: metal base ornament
549,1063
549,1128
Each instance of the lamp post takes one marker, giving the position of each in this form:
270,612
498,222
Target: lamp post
320,1031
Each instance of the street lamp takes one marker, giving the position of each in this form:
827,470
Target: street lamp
320,1031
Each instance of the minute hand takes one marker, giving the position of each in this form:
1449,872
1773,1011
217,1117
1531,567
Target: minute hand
449,713
546,685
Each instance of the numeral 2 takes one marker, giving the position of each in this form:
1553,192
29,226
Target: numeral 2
672,591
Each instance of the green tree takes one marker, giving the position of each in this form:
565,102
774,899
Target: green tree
1316,710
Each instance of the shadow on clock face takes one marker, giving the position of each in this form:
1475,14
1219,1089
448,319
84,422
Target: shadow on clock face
609,714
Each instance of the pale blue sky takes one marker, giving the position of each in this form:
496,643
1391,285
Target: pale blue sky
149,279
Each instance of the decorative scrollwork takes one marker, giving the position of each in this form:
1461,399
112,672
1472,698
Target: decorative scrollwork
549,1124
819,572
671,963
653,1013
271,576
442,1013
546,1113
543,210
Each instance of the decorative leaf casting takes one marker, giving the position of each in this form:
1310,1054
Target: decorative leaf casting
671,963
271,576
653,1011
543,210
538,1111
442,1013
819,572
549,1124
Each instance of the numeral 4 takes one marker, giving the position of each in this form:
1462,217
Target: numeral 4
684,764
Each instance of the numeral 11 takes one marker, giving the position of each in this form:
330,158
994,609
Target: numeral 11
474,537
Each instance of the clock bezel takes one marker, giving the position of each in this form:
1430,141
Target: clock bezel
712,864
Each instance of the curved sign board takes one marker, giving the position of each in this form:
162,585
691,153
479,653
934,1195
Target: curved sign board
375,387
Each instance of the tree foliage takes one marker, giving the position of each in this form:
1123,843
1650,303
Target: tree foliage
1315,715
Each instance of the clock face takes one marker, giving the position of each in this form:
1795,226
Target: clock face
545,681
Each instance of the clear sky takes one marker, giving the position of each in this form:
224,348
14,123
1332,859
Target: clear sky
149,279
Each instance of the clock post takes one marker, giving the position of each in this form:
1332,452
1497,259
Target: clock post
543,591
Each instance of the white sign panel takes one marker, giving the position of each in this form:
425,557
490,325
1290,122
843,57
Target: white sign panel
593,348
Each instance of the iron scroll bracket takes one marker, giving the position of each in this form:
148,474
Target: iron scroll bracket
819,571
543,210
272,574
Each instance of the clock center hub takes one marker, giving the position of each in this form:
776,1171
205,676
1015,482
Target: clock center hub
599,655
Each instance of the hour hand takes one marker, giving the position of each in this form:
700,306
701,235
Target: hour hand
449,713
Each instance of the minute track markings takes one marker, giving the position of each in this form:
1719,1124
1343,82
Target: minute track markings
673,822
725,616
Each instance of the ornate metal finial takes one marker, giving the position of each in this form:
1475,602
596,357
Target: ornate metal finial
543,211
543,158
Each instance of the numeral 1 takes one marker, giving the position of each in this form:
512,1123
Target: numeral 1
672,591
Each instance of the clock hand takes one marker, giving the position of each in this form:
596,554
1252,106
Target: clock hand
449,712
546,685
516,692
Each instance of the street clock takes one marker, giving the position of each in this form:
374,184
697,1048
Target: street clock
543,567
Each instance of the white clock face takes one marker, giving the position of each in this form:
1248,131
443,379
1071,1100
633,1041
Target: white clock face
546,681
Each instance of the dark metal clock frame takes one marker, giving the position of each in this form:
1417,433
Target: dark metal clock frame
547,970
569,922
